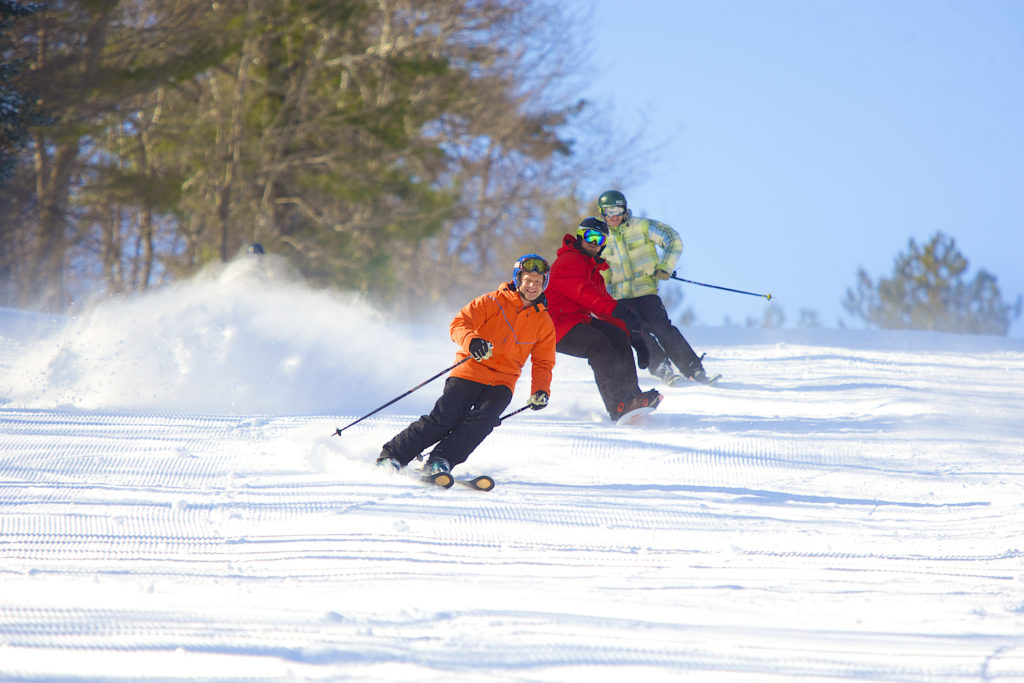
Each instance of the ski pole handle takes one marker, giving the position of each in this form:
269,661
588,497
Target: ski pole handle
727,289
337,432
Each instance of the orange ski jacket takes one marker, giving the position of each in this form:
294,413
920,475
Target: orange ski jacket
517,331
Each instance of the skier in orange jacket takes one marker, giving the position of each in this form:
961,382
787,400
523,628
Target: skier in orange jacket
499,331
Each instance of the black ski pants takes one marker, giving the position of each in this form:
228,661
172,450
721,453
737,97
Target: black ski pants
669,342
606,347
461,419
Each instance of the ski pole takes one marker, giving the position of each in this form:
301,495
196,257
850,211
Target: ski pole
337,432
514,412
727,289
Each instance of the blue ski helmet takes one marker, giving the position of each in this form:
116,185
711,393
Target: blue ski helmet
530,263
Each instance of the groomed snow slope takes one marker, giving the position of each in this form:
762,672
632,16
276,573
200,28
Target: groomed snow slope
173,506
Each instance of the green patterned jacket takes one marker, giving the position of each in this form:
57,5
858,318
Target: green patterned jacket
633,258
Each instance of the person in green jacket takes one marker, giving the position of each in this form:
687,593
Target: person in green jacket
635,270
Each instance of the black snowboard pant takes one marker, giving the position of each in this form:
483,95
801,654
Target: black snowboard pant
606,347
461,419
668,342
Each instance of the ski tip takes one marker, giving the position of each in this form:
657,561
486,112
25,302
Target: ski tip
483,482
442,479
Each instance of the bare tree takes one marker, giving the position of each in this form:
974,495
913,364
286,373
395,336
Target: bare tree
520,144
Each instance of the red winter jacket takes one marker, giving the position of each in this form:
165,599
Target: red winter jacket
576,291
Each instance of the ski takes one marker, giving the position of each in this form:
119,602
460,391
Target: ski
481,483
676,381
446,480
442,479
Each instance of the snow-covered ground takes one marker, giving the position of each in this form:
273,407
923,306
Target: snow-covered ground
846,505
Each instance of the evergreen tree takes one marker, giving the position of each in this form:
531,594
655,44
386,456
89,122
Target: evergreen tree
16,114
928,290
87,63
373,143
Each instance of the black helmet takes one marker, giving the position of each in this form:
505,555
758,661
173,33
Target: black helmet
530,263
589,228
611,198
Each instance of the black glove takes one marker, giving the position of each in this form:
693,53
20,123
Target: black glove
479,348
538,400
643,356
627,316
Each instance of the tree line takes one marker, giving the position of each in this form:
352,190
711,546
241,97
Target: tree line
395,147
400,148
929,289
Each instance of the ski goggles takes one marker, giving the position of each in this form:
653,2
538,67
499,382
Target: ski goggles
533,264
613,211
594,236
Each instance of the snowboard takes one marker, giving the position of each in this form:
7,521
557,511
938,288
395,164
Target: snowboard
635,415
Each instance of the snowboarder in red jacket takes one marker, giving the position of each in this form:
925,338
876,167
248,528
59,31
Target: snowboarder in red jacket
590,324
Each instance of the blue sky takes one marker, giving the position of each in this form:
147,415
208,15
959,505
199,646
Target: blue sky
800,140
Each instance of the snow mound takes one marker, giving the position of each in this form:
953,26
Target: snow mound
233,339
